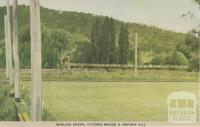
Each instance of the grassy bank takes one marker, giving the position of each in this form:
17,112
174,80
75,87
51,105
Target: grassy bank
117,75
127,75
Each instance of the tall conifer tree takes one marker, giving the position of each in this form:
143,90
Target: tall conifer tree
123,44
112,53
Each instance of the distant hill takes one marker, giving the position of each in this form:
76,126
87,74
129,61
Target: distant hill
152,41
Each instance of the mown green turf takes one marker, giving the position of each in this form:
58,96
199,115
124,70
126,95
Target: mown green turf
82,100
110,100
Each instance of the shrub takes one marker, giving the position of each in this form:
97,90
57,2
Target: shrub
194,63
177,58
158,60
7,111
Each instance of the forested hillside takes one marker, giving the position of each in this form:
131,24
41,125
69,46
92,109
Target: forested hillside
69,33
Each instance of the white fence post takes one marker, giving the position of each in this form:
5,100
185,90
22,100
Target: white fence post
6,46
10,65
16,52
36,100
136,54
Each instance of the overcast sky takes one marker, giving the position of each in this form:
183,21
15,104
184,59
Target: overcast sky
166,14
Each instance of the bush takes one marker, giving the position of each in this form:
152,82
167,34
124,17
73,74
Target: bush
158,60
194,63
177,58
7,111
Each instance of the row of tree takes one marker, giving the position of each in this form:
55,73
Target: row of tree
186,53
54,43
76,27
103,46
106,43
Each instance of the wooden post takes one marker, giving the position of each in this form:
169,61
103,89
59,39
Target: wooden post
16,52
6,45
36,100
132,46
199,83
136,53
10,65
68,63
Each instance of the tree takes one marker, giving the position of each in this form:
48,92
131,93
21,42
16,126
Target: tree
194,63
192,41
54,41
112,42
190,48
83,53
177,58
198,2
103,45
24,47
123,44
95,41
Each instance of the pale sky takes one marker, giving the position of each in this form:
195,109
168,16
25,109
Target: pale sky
165,14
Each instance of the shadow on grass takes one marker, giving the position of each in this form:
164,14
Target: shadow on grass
47,116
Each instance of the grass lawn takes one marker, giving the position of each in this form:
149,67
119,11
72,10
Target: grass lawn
110,101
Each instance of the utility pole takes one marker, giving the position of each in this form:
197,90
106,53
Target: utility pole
10,65
6,45
16,52
136,53
36,99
